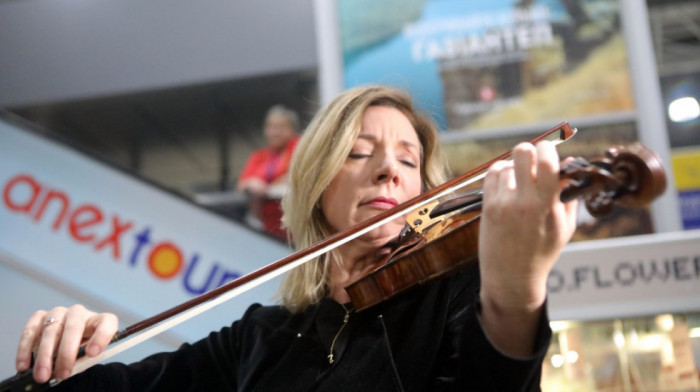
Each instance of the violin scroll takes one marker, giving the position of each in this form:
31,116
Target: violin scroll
630,176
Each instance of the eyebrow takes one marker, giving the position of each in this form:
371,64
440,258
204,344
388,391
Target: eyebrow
403,142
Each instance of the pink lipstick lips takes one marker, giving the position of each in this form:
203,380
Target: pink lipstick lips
382,202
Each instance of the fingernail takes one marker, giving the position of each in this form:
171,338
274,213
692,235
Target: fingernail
63,374
42,374
21,365
93,350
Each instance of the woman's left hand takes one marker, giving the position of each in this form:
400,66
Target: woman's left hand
524,227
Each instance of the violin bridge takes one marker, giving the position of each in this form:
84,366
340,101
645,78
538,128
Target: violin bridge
420,219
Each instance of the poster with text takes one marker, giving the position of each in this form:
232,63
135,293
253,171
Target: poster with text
480,65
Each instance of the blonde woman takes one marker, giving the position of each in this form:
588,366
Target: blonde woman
484,329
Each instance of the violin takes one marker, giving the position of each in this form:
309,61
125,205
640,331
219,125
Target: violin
440,238
443,237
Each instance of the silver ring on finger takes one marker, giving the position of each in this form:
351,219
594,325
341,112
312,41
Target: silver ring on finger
51,320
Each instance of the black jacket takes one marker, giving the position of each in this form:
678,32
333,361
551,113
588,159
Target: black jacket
426,339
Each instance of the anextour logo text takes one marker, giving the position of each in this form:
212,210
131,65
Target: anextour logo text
88,224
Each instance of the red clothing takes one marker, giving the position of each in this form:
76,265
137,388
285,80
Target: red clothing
268,165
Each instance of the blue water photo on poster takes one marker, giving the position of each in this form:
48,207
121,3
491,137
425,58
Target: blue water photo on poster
478,65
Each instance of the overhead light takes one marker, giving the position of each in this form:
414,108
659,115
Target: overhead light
557,360
695,332
558,326
571,356
619,339
651,342
665,322
684,109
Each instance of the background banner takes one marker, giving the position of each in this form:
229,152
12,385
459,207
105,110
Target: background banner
686,169
627,277
484,64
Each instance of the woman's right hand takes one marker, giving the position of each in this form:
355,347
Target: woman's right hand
57,334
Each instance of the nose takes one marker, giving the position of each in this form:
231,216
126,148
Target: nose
388,170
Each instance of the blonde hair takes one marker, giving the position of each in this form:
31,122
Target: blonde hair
319,156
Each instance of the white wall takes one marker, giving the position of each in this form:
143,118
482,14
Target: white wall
55,50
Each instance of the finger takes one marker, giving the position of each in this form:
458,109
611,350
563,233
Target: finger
71,338
105,326
506,181
30,335
566,161
571,209
491,181
50,336
524,159
547,171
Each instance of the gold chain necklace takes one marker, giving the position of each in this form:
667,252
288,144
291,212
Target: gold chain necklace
345,322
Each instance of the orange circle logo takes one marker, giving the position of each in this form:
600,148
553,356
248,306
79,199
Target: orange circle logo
165,260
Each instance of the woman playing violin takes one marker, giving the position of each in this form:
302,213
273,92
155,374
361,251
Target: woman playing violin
484,328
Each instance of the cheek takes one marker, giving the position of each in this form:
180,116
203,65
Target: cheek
274,135
419,186
335,204
415,187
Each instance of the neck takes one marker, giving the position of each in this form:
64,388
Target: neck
355,262
279,149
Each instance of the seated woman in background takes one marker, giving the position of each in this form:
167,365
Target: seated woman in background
264,176
483,329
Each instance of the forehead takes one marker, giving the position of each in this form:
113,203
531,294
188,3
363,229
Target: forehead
385,121
277,119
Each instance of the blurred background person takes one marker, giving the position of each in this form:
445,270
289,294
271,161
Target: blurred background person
264,176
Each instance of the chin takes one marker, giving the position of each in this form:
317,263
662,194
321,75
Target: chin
384,234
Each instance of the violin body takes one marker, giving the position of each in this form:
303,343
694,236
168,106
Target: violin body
420,260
